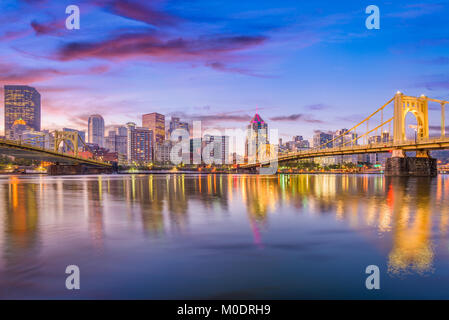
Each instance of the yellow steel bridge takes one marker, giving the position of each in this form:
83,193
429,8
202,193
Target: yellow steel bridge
360,143
27,150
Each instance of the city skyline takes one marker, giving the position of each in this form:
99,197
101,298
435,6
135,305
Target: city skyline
174,59
98,131
22,104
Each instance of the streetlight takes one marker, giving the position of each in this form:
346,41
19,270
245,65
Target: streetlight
414,127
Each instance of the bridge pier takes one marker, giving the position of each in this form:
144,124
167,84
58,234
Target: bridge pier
76,169
252,170
402,166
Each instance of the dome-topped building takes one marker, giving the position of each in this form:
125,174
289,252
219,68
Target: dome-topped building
19,121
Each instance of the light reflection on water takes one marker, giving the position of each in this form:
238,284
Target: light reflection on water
231,236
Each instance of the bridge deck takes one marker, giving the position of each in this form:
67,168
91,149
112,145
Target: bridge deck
428,144
26,151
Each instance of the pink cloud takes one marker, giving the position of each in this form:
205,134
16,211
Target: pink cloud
15,74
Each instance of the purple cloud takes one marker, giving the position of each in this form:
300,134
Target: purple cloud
140,12
296,117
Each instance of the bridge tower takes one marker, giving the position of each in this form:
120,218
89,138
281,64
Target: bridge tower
399,164
419,107
63,136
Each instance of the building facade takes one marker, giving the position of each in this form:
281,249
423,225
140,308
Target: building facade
256,139
344,139
156,123
42,139
320,139
116,140
140,144
22,102
18,128
162,152
297,144
217,151
176,123
96,130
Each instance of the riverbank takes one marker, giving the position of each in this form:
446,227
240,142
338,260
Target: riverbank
198,172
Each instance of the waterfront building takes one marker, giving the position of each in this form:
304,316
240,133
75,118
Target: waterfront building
282,148
344,139
235,158
22,102
219,151
378,158
42,139
256,139
139,144
94,151
302,145
374,139
320,138
194,155
162,152
116,140
96,130
297,144
175,123
17,129
156,123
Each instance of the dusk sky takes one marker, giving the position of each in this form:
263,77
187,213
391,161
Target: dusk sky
303,65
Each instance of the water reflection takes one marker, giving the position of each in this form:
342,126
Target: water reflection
401,209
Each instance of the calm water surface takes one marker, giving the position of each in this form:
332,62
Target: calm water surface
224,236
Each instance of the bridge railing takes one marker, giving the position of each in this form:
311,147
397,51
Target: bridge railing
21,144
389,145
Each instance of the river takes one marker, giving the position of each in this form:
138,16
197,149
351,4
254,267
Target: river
190,236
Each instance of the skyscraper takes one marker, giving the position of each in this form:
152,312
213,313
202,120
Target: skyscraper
96,130
22,102
156,123
175,123
140,144
116,140
320,138
256,137
219,149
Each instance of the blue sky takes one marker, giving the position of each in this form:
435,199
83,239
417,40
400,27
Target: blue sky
303,65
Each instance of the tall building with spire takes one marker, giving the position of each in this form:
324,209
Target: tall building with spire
256,138
24,103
